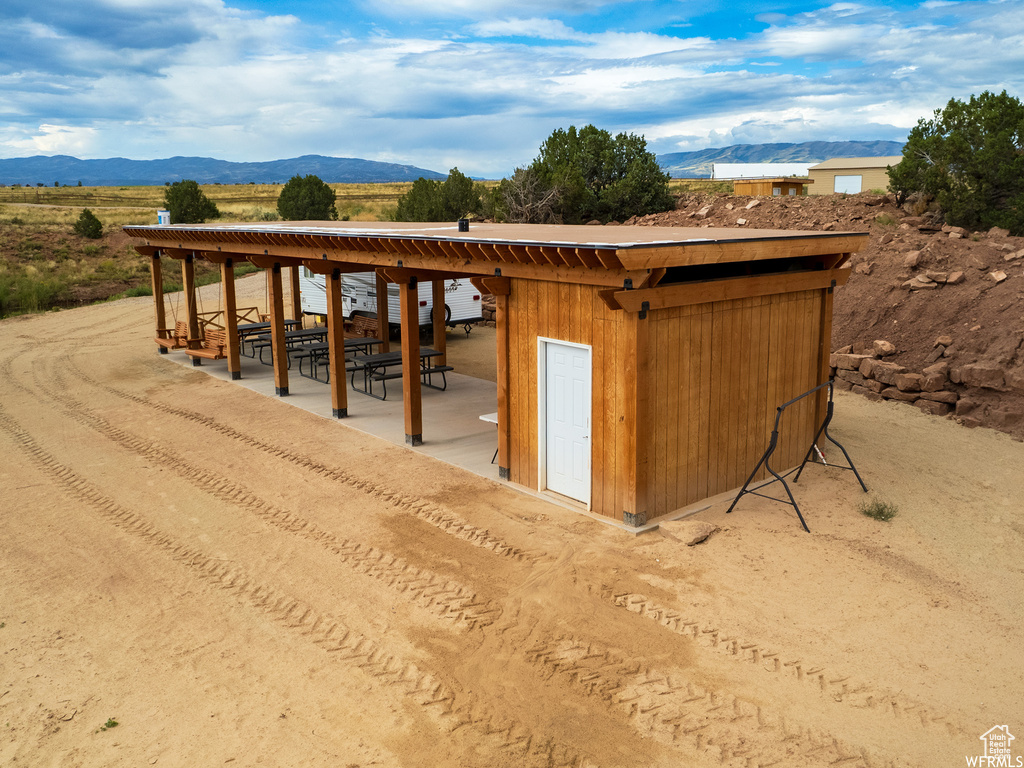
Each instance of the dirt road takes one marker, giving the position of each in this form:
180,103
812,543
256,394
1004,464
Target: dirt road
236,582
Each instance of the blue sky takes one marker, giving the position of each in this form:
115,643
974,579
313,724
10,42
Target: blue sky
479,84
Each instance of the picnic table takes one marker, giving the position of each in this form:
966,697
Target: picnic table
375,369
249,332
299,337
318,355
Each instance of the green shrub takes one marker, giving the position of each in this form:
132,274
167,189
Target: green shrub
88,225
188,204
307,198
877,509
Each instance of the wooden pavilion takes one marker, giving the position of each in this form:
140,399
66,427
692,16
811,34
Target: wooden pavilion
639,368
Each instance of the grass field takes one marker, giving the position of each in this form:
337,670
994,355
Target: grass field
138,205
44,265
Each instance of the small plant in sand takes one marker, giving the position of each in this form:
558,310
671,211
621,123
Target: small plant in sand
878,510
111,723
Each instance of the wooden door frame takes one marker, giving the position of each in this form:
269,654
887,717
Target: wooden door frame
542,414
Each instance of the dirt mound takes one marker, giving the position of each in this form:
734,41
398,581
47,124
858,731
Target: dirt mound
935,293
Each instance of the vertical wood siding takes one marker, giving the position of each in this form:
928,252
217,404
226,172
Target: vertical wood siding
715,375
718,373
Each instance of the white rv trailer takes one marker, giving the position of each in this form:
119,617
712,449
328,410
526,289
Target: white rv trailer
462,301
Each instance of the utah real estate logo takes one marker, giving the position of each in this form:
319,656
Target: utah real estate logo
998,750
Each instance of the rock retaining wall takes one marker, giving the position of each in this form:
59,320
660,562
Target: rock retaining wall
975,394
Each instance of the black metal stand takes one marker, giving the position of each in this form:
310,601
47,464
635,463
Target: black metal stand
810,457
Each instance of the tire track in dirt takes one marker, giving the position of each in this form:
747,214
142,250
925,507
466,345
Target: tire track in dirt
430,513
677,712
838,687
443,597
454,710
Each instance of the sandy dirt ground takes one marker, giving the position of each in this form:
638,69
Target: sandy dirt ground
234,581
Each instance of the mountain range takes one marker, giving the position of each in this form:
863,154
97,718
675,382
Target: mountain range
119,171
697,165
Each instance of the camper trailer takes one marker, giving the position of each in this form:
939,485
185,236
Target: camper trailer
462,301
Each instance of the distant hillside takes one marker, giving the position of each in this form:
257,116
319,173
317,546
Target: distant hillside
697,165
119,171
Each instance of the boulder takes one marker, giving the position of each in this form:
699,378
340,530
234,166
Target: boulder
933,408
998,276
945,341
892,393
909,382
939,368
854,377
1015,379
981,375
884,348
912,259
955,278
886,372
998,232
850,362
933,382
864,268
966,407
942,396
865,392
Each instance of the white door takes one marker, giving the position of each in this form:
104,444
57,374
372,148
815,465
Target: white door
851,185
567,420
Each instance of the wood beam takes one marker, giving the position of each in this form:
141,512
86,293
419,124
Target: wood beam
479,259
296,294
728,289
637,430
496,286
265,261
383,313
336,346
411,364
324,267
157,281
188,281
438,320
698,252
504,413
404,274
227,280
277,340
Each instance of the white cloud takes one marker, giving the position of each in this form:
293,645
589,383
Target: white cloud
243,86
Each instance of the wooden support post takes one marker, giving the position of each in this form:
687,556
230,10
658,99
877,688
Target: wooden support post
411,362
635,440
504,421
156,272
277,340
824,353
383,321
188,280
227,284
501,288
440,336
336,346
296,294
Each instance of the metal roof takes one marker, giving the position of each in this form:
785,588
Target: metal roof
484,246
